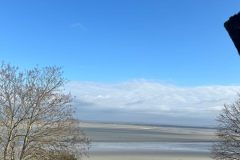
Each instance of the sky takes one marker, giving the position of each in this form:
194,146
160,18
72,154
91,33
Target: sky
158,61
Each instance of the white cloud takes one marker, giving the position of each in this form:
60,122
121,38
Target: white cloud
80,26
148,98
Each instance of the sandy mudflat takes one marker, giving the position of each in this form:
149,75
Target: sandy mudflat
98,132
152,157
144,142
135,156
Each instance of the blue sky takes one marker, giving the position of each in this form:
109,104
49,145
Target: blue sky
181,42
153,61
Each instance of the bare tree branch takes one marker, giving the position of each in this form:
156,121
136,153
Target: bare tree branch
36,115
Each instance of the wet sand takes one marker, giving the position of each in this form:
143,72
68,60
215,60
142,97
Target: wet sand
143,142
134,156
100,132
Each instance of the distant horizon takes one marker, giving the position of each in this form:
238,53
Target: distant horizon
146,124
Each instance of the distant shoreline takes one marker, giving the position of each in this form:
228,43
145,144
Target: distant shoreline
148,124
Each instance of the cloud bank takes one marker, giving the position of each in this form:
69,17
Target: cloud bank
142,101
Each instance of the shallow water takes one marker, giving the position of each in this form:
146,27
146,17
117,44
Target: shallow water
201,147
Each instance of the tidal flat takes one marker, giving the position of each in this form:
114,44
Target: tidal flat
148,142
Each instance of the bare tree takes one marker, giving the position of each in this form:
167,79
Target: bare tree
36,115
228,146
